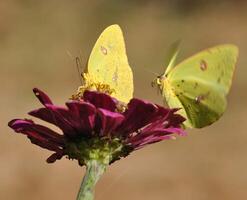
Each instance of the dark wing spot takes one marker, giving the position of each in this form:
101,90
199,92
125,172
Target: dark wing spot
203,65
198,99
182,80
219,80
196,85
103,50
201,97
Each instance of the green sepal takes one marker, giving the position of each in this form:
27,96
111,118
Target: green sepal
103,149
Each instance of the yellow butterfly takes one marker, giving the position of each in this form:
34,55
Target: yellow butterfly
199,85
108,69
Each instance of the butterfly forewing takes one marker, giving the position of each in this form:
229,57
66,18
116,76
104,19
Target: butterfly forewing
108,63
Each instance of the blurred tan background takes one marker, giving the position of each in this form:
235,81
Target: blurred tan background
35,37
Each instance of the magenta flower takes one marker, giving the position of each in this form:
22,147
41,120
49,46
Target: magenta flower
93,128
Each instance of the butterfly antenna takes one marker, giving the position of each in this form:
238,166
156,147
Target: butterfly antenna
80,56
78,66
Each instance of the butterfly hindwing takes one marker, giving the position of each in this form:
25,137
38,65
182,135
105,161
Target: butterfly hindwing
201,104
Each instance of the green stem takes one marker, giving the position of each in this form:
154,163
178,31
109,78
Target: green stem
94,171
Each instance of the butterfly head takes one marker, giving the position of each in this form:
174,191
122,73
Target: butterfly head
158,82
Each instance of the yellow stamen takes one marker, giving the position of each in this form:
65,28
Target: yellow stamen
121,107
90,84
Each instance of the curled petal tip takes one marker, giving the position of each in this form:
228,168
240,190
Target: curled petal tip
43,98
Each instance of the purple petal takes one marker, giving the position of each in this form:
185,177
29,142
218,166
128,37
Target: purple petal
54,157
150,140
175,120
39,135
161,113
178,131
44,114
100,100
83,115
138,115
43,98
154,135
140,137
78,119
57,116
109,121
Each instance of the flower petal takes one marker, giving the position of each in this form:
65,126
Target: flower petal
150,140
138,115
83,115
56,115
109,121
175,120
43,98
154,135
39,135
55,156
100,100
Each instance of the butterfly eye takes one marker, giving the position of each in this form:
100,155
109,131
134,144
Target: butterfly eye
159,80
156,82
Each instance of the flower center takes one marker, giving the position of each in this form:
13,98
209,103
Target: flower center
90,84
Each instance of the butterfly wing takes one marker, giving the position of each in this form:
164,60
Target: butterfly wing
172,56
108,63
199,85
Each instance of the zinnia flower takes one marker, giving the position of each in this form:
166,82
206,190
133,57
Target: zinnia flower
94,129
